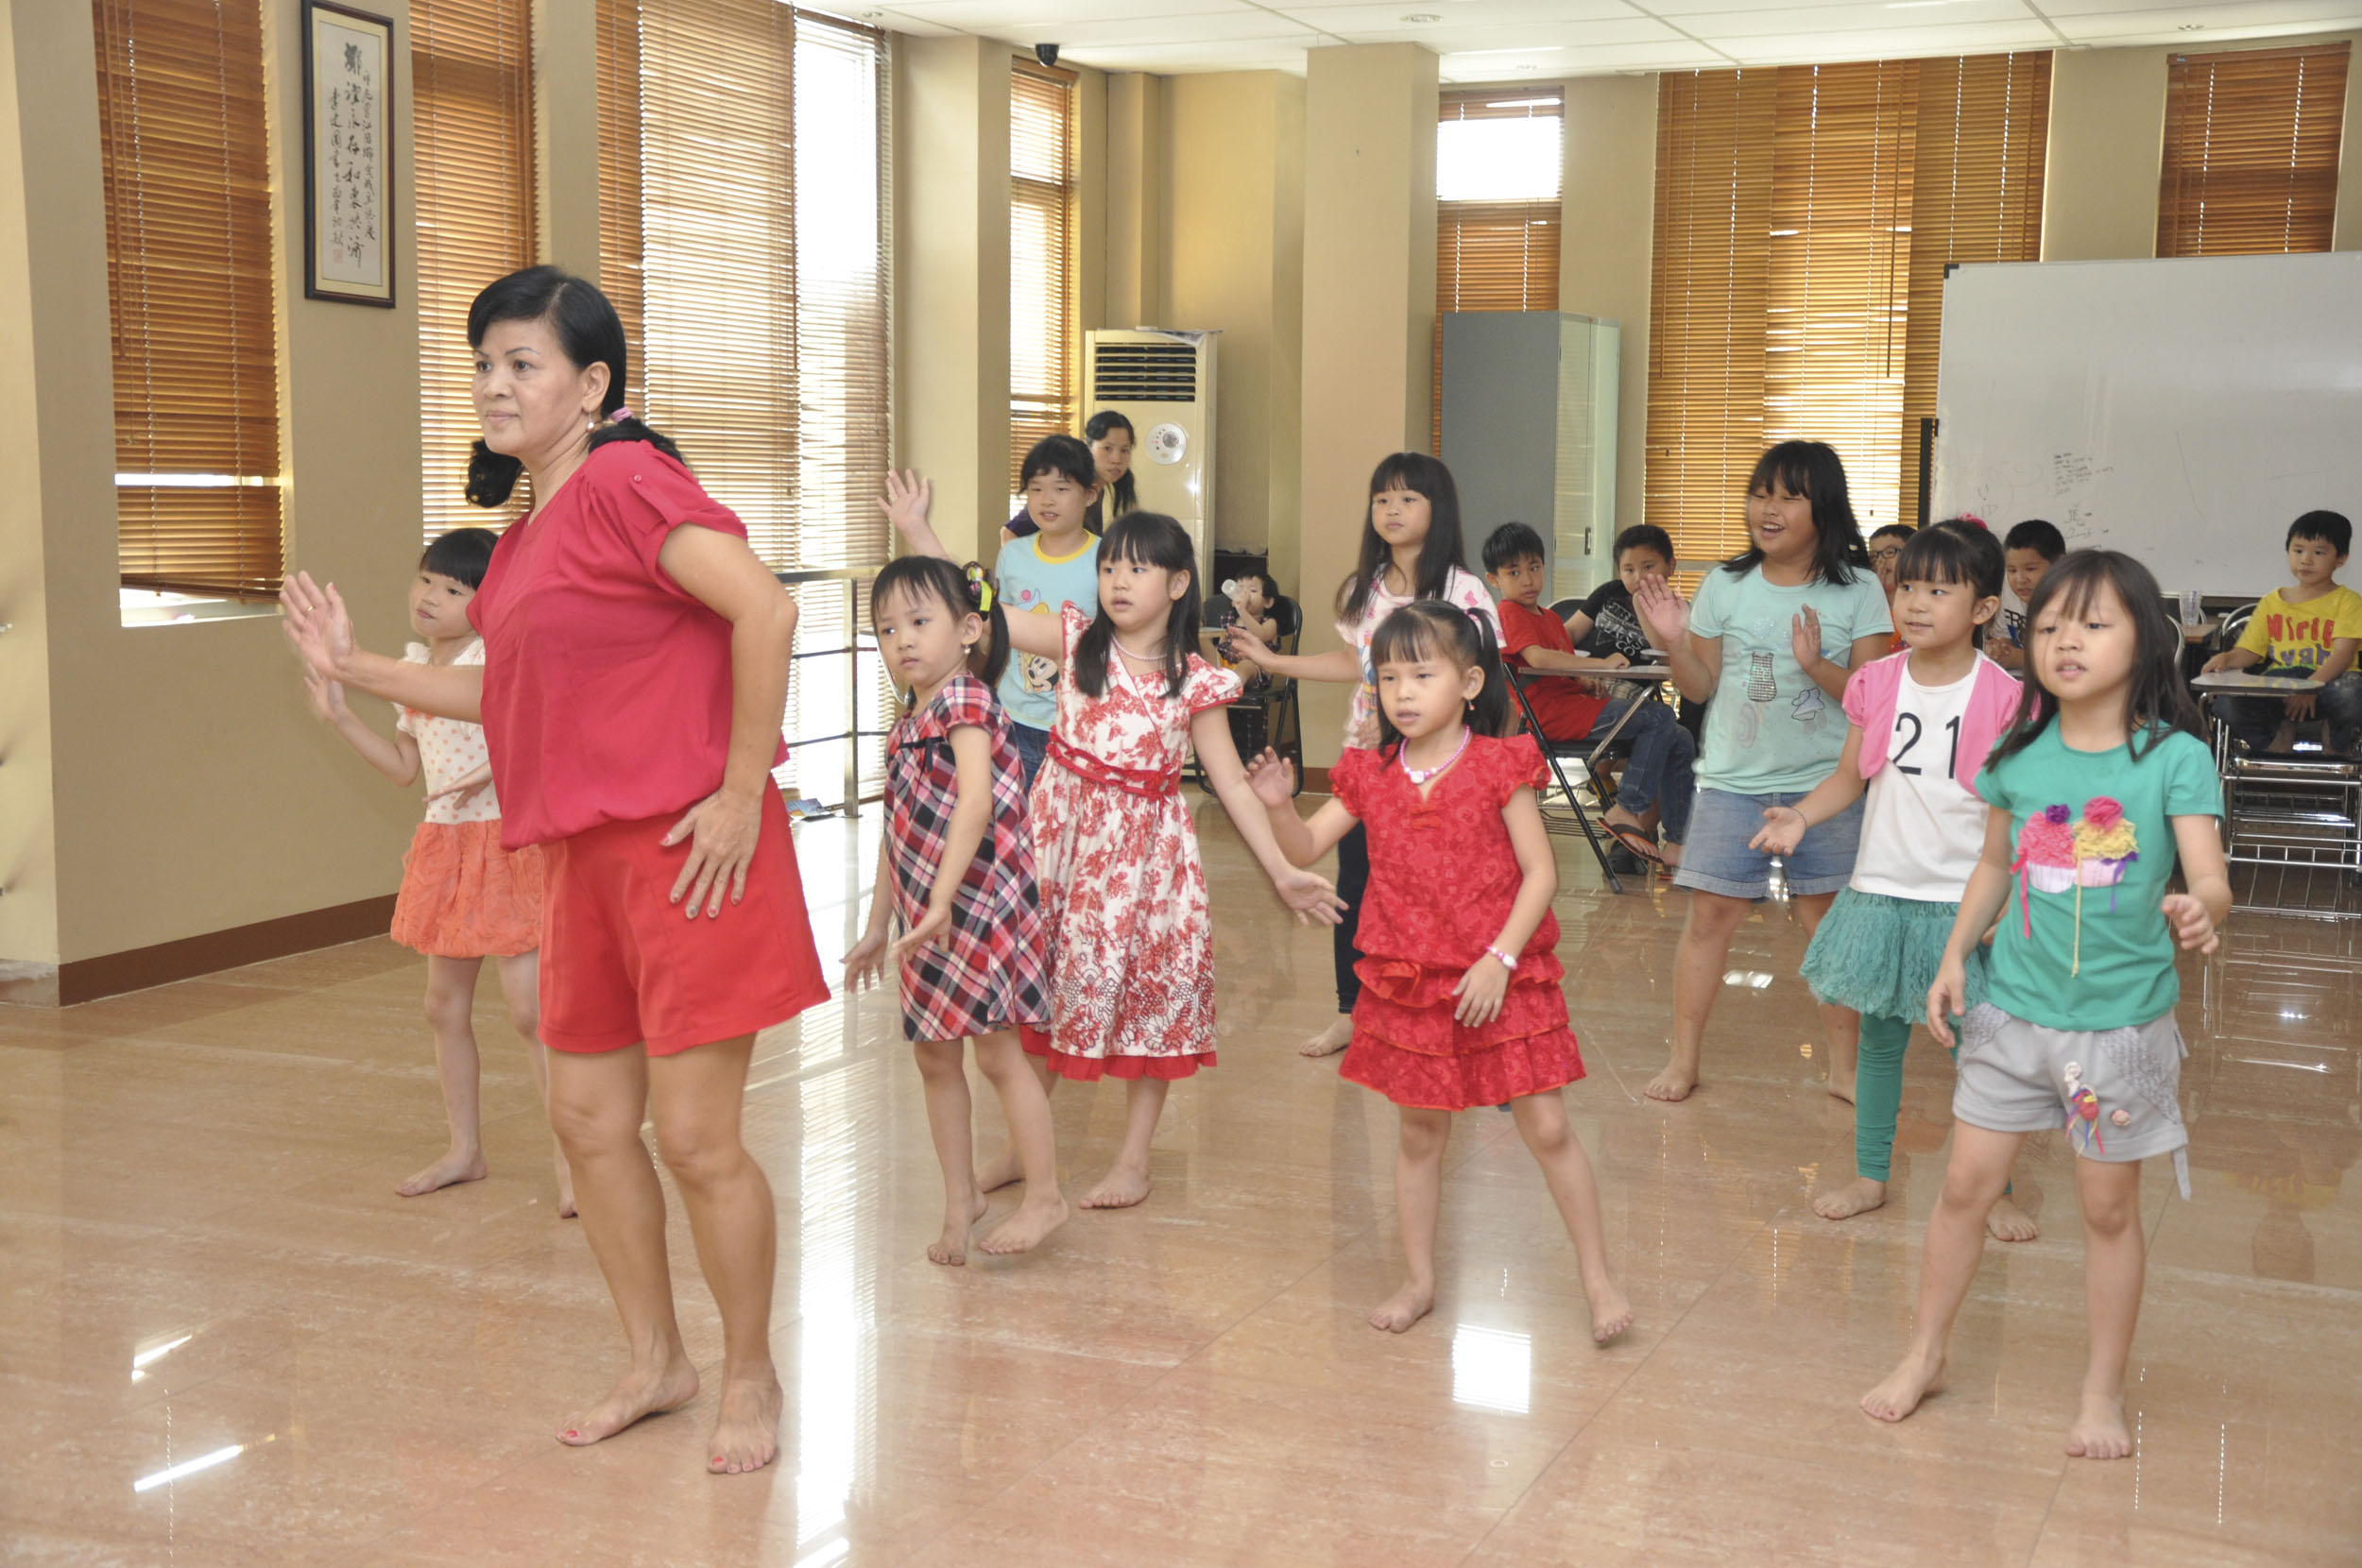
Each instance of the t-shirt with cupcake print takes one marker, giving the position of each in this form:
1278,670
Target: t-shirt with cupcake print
2083,943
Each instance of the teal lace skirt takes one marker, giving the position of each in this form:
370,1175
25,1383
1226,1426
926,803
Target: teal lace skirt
1879,954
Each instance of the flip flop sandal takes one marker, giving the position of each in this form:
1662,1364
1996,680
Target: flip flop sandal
1640,844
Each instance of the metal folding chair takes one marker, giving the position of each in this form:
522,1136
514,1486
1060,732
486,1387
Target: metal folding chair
1587,753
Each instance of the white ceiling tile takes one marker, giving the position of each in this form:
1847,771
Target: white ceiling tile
1548,64
2215,21
1816,20
1121,31
1383,23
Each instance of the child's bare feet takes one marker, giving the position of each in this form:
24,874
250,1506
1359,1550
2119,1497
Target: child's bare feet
1904,1387
1122,1187
2008,1223
1858,1196
951,1250
640,1394
565,1187
2100,1432
746,1432
1025,1230
456,1166
1675,1083
999,1171
1328,1042
1404,1307
1611,1314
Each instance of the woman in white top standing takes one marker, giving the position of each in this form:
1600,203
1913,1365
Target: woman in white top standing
1410,549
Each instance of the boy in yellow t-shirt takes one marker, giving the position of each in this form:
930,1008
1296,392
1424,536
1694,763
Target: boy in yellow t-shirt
2311,629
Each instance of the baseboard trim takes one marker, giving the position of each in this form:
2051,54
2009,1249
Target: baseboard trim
89,979
1315,780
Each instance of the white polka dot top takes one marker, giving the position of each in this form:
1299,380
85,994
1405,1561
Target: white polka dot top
449,749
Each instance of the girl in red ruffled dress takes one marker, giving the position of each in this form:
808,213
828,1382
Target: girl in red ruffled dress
463,898
1460,1001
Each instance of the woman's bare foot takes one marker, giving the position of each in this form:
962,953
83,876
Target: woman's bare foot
1674,1083
1025,1230
746,1432
999,1171
1904,1387
1404,1307
952,1249
2100,1432
1611,1314
565,1187
1858,1196
1122,1187
640,1394
1328,1042
2008,1223
452,1168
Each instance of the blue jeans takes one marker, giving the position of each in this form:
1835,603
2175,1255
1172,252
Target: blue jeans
1031,747
1658,773
2255,720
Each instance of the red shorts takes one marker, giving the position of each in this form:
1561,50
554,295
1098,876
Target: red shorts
621,963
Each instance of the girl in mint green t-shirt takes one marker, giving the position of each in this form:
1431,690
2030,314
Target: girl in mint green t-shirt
1768,646
2095,791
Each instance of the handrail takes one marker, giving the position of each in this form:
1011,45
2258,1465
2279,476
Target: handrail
852,577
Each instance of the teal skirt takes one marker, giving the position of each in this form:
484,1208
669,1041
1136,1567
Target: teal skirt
1879,955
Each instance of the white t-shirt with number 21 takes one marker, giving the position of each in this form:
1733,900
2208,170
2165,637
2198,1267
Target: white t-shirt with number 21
1921,831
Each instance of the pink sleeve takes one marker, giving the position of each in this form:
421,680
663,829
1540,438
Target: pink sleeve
1857,696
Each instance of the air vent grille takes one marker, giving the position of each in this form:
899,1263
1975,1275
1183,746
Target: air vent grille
1144,372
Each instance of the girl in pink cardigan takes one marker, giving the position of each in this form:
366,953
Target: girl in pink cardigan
1922,723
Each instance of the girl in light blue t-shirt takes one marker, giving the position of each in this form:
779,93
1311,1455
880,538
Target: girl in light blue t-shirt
1768,645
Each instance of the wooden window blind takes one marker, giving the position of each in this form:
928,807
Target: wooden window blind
191,295
1044,353
1805,215
1498,225
471,85
2250,160
744,237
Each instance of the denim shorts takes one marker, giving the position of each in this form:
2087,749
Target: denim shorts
1031,745
1715,857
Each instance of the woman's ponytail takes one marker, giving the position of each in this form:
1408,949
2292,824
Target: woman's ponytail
492,477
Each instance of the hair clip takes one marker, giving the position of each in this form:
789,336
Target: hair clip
622,413
980,589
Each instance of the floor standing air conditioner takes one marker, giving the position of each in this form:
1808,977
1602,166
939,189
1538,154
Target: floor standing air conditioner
1163,382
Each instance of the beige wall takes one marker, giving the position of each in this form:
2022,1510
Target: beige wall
1609,208
1134,228
1369,313
566,135
192,792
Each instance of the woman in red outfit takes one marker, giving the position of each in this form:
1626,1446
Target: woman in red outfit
636,658
1459,1004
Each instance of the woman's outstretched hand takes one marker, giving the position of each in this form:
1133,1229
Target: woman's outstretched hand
318,625
1661,611
721,834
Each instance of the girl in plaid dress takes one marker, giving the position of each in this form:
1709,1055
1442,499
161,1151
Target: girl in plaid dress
1123,890
956,867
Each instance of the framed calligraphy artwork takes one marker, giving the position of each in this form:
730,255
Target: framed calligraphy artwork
347,155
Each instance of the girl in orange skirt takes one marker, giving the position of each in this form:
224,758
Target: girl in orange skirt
464,899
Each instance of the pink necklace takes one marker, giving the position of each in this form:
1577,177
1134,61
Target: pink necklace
1420,775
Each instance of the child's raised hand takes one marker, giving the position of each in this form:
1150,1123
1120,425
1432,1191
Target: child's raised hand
1805,638
864,967
1946,1000
325,698
316,622
907,500
2192,926
1312,899
1661,611
1481,991
930,931
1272,778
1783,831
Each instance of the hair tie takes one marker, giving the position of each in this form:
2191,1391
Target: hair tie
622,413
980,589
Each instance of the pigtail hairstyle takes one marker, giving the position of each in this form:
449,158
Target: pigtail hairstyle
961,590
1432,629
589,333
1814,471
1146,538
1415,472
1959,552
2159,703
1123,495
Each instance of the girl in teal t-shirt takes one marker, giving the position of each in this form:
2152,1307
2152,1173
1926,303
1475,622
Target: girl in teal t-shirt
2098,786
1768,645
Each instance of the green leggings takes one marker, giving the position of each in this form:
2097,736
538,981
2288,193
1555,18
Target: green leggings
1879,1094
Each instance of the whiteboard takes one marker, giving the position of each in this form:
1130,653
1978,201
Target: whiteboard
2182,411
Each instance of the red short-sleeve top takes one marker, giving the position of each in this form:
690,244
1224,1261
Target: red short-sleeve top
607,685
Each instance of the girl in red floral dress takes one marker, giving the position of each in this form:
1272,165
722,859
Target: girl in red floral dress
1460,1003
956,866
1123,890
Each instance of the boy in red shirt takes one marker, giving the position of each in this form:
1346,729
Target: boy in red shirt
1657,782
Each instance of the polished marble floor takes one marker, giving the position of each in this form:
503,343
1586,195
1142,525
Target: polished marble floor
224,1340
